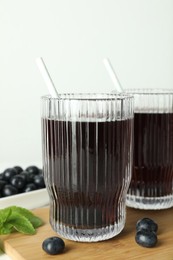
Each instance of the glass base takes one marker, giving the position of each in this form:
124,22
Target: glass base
88,235
153,203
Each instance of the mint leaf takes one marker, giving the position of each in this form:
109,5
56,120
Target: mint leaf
21,223
6,229
19,219
4,214
36,221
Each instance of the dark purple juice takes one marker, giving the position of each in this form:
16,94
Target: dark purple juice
153,155
87,167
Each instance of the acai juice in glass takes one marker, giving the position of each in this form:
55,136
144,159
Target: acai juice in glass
151,186
87,159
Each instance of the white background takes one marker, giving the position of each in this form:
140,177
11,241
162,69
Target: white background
73,36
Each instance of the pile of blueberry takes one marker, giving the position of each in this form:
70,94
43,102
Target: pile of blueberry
17,180
146,232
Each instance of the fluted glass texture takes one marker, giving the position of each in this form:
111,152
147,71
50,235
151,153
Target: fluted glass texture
87,160
152,176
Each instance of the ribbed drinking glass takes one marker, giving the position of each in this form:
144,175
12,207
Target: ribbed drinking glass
87,159
152,177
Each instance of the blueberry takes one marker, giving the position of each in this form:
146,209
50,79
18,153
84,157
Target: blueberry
1,176
39,181
8,173
40,171
30,187
146,224
9,190
18,181
29,176
2,184
24,176
33,170
146,238
18,169
53,245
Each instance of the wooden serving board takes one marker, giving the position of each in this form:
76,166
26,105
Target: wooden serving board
123,246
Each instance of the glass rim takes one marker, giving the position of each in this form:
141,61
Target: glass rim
90,96
149,91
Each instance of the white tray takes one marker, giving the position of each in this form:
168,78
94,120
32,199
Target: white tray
29,200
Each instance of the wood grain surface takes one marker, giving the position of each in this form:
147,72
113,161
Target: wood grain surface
123,246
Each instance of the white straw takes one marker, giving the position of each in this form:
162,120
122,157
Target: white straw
46,76
112,75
